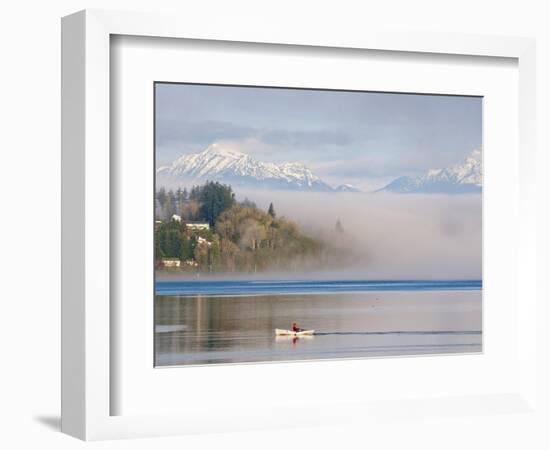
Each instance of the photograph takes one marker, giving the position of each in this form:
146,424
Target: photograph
296,224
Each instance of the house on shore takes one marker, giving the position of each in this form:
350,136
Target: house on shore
197,225
171,262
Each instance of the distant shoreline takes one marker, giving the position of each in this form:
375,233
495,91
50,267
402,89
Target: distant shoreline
177,276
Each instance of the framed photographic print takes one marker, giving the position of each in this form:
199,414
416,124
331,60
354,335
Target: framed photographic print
269,229
296,224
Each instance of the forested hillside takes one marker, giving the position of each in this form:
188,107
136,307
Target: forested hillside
240,238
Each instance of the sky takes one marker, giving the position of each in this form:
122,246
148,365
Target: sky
362,138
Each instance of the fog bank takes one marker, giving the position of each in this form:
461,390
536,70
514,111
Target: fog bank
404,236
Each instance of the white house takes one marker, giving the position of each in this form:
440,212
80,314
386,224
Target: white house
171,262
176,218
197,225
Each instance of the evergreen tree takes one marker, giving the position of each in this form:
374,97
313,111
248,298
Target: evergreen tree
160,244
186,248
194,194
271,210
214,198
171,200
179,199
339,228
167,211
161,197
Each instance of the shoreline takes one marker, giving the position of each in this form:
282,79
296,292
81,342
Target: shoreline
319,276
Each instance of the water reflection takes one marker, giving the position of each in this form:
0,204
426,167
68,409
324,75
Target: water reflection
202,329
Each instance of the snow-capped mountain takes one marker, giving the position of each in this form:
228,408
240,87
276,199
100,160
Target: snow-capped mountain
460,178
218,163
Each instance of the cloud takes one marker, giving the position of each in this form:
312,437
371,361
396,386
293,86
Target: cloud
373,165
306,139
185,134
206,132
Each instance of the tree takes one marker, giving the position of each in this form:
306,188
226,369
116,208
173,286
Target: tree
194,194
201,255
179,200
190,210
186,248
215,254
159,254
271,211
171,200
246,203
228,253
167,210
173,243
161,197
339,228
214,198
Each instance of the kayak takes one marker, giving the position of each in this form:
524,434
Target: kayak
280,332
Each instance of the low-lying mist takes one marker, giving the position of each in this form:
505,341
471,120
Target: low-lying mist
388,236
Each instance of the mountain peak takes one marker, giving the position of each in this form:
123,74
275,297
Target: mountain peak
459,178
223,164
219,150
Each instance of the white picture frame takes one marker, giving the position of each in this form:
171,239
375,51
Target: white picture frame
87,354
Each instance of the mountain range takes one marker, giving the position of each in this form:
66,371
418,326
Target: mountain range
219,163
456,179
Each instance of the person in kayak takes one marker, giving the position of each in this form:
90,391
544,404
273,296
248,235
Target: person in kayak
296,328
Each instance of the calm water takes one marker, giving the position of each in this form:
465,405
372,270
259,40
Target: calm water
255,287
204,322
